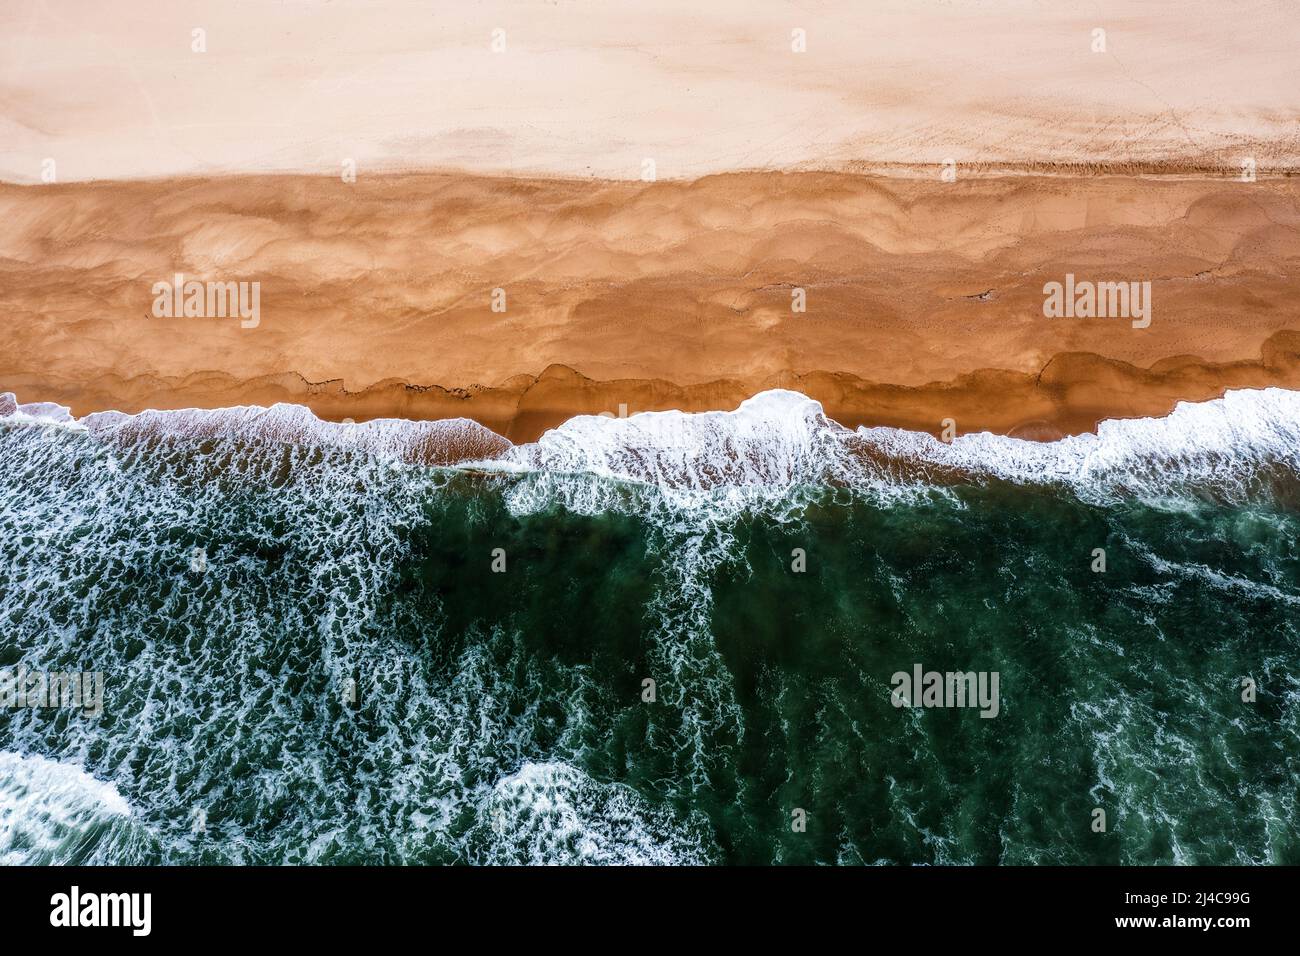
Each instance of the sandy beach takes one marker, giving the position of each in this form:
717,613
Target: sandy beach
923,299
520,212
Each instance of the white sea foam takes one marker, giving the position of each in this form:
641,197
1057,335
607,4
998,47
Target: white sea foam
1225,446
300,545
552,813
50,811
774,443
780,441
442,442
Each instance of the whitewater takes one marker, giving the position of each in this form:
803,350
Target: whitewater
341,555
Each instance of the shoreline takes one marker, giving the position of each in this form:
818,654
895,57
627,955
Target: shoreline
1071,395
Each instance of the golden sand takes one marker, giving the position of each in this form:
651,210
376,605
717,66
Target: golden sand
924,298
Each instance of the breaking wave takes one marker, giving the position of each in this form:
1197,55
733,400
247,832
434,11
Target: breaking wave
236,571
53,814
443,442
552,813
1233,448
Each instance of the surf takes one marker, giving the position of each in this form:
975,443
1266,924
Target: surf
344,679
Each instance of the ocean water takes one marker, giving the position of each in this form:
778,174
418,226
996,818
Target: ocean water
414,643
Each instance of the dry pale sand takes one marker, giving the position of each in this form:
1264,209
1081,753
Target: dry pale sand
924,298
593,87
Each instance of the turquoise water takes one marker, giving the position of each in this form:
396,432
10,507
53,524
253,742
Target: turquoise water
338,675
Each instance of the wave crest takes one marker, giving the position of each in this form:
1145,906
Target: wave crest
53,814
1235,448
443,442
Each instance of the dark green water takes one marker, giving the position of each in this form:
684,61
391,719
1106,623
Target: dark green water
499,716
